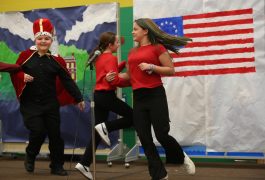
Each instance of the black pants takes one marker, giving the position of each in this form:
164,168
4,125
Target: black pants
150,108
42,120
106,101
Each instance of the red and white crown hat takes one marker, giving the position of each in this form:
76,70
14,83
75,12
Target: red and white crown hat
43,26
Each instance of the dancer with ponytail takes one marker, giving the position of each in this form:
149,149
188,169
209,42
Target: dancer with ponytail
106,99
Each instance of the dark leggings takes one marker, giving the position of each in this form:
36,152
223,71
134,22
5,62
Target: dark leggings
150,108
106,101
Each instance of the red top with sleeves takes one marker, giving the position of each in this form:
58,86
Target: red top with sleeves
105,63
148,54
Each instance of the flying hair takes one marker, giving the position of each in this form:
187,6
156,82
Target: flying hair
157,36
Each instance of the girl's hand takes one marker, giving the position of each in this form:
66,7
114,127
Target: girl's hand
149,68
28,78
81,105
144,66
110,76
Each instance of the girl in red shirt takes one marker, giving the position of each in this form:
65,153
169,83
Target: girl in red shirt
147,63
106,99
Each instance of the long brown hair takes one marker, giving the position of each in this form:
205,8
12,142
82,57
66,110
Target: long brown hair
105,39
157,36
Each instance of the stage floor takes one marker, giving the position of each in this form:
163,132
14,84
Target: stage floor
13,169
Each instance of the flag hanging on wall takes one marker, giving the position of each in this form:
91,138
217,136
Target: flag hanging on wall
223,42
216,97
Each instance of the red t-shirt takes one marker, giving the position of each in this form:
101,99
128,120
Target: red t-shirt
105,63
148,54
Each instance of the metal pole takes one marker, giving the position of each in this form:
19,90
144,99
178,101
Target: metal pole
119,90
1,143
92,112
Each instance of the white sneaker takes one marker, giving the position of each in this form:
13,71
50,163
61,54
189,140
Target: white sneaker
165,178
188,165
84,170
103,132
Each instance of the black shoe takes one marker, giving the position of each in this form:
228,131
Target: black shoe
59,172
29,163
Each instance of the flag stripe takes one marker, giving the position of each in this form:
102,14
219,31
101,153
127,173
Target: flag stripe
220,43
216,24
214,52
218,19
224,28
217,71
221,38
219,14
211,62
215,57
213,66
211,48
220,33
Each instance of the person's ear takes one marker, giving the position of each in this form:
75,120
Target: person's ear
145,31
110,45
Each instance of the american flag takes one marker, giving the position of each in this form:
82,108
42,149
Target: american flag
223,42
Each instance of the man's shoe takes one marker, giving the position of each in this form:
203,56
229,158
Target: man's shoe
188,165
84,170
103,132
29,163
59,171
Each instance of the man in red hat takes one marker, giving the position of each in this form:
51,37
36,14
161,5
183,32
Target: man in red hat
42,86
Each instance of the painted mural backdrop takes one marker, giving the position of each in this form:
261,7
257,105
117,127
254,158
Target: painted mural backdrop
216,97
77,31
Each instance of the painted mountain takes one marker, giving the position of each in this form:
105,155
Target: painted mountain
77,32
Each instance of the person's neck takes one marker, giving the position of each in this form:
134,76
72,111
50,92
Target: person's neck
145,43
42,53
107,51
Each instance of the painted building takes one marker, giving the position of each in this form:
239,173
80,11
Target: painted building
71,66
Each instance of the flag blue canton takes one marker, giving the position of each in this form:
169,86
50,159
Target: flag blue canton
172,25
